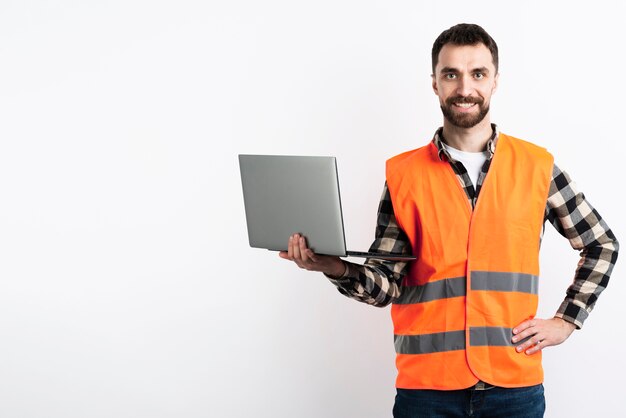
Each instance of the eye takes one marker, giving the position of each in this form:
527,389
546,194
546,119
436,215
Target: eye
479,76
449,76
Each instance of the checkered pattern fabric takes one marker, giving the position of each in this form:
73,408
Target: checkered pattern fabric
378,282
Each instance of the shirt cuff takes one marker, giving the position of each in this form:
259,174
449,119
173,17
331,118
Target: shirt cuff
346,280
570,312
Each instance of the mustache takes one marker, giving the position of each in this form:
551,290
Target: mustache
467,99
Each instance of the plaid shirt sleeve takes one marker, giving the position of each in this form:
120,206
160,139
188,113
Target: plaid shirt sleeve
377,282
574,218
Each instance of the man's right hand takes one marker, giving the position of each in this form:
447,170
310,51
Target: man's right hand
305,258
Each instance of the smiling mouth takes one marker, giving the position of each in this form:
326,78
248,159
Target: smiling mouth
464,105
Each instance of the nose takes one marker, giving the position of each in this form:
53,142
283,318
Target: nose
465,87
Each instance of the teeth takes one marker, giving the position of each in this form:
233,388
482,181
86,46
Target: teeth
464,105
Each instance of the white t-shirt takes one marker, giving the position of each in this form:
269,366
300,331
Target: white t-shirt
472,161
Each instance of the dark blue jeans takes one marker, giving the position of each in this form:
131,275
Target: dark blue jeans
496,402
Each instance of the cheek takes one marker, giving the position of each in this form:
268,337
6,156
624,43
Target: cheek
445,93
486,93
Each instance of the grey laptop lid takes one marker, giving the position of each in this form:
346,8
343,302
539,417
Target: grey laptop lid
286,194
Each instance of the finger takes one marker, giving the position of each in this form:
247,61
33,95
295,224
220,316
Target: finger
296,247
290,248
523,326
525,330
302,249
284,254
305,252
523,335
311,255
536,347
529,343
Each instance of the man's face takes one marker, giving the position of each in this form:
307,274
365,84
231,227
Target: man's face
464,79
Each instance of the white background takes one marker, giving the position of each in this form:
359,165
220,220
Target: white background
127,286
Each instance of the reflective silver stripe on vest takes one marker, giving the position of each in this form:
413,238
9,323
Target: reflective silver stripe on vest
505,282
492,336
454,340
430,343
440,289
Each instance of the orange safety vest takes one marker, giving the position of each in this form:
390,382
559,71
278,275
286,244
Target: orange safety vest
477,271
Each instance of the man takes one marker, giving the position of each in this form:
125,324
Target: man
471,205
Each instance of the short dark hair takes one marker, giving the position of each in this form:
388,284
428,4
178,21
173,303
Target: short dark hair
465,34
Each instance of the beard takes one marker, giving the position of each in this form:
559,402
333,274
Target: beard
464,120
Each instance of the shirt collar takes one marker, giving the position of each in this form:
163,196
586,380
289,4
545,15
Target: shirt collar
443,153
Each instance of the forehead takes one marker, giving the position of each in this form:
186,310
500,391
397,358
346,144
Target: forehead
465,57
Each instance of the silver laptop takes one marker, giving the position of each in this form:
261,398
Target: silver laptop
286,194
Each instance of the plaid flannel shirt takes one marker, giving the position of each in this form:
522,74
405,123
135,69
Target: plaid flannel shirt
378,282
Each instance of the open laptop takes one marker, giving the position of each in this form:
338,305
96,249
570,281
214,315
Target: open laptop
287,194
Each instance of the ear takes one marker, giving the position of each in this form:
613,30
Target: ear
434,81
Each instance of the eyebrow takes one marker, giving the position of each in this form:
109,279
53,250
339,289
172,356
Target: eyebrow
452,70
449,70
481,70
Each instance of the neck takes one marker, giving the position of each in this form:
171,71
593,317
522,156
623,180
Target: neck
472,139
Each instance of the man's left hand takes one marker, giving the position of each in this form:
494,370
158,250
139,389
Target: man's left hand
542,332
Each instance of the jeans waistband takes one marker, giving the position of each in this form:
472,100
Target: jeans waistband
482,386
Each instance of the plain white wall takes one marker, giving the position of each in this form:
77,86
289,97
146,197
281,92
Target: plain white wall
127,287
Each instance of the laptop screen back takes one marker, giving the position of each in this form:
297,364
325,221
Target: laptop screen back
286,194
